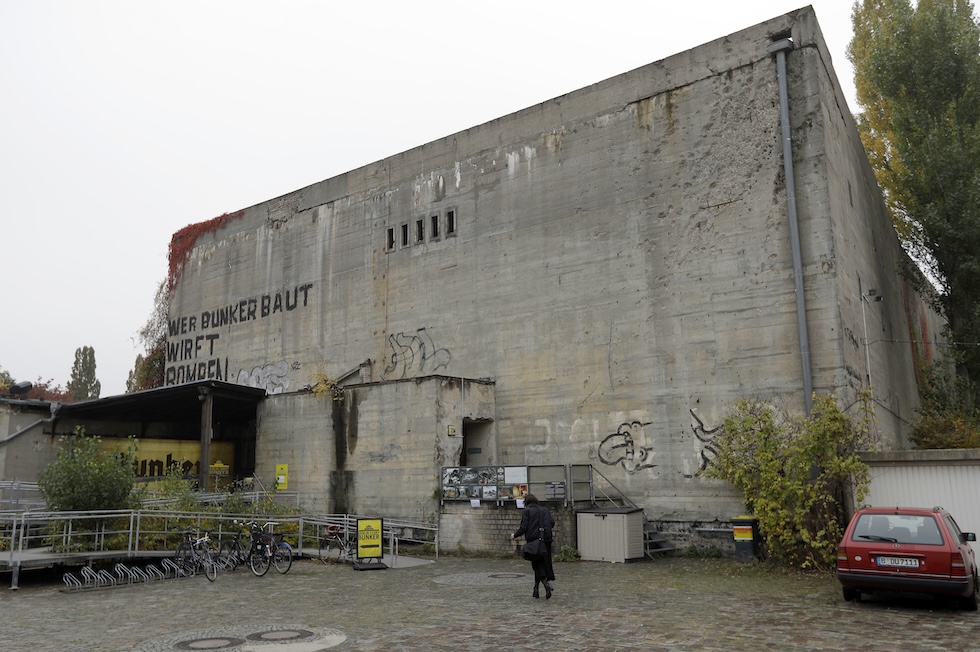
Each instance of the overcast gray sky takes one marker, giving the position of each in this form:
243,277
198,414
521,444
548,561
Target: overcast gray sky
122,121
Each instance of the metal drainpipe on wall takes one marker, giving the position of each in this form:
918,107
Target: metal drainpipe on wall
779,49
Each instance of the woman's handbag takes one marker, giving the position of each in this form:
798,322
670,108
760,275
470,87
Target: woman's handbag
535,549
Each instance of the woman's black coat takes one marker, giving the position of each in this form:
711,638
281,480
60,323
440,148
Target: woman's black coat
533,519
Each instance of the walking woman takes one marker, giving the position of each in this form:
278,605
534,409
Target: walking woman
537,522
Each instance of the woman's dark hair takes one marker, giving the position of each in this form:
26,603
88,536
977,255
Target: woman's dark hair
530,499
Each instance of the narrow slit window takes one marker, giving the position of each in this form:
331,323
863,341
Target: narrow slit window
450,222
419,231
404,235
435,226
391,238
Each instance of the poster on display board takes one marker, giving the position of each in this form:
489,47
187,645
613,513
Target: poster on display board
484,483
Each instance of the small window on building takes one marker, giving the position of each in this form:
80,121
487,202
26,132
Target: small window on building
390,243
451,222
435,227
404,235
419,230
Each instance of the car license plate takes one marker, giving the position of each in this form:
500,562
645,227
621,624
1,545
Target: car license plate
898,562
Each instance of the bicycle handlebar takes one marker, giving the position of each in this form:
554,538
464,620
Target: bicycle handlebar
191,536
254,524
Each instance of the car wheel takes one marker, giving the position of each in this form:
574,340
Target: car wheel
970,602
851,595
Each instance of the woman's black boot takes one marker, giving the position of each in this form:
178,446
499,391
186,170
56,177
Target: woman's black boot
547,590
535,594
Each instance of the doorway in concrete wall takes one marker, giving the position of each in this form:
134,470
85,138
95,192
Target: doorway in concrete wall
477,449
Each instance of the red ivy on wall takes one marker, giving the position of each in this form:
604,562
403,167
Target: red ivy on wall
184,241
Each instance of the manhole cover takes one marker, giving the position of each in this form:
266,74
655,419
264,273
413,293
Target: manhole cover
482,579
281,635
215,643
244,637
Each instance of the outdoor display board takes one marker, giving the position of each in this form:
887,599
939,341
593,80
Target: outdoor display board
492,483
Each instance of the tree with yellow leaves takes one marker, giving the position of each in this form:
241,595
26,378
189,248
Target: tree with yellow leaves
917,73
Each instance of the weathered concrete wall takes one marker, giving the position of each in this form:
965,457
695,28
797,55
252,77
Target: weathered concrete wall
297,430
26,443
488,529
617,260
862,255
376,452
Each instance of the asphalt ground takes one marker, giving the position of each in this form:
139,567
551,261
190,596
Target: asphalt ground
462,604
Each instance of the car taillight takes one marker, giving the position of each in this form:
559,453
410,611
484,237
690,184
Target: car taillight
958,565
841,557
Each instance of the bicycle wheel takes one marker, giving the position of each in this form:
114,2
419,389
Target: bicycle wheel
323,553
339,552
346,553
228,556
258,560
184,558
210,566
283,559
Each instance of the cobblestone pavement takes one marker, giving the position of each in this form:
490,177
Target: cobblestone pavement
479,604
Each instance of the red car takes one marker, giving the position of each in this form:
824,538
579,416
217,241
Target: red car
912,549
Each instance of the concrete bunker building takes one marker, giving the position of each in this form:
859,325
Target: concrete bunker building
591,280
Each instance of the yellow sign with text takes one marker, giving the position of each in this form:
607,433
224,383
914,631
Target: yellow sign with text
369,538
154,457
282,477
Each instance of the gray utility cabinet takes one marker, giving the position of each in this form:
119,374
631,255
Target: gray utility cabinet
610,534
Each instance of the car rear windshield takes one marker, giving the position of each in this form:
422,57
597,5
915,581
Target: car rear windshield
898,528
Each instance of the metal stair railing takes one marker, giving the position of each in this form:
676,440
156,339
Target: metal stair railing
594,488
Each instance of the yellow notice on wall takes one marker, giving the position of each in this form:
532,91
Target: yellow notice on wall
369,538
282,476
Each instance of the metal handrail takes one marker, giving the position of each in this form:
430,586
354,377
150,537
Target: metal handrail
17,495
622,495
134,533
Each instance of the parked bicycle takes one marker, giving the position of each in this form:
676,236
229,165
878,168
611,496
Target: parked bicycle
264,550
195,554
335,547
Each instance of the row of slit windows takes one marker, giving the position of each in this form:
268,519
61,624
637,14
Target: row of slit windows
435,227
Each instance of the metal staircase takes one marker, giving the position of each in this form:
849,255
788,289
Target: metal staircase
654,542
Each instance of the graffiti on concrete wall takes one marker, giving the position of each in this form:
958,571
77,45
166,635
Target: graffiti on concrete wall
704,444
558,432
631,447
273,378
624,448
195,348
414,354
